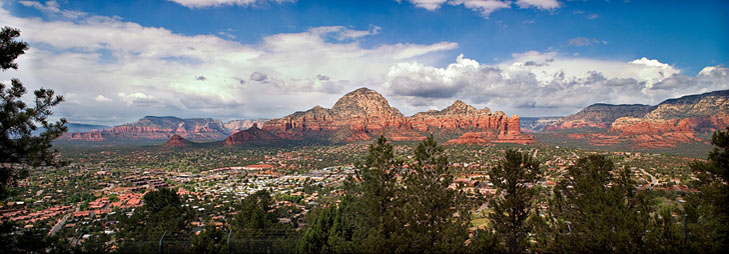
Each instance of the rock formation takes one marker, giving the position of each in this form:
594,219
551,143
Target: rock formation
357,116
176,141
364,114
600,116
252,136
164,127
688,119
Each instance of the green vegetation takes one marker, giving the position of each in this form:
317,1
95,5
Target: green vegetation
19,148
513,177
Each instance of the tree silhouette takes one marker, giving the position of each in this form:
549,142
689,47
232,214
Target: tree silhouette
20,150
514,177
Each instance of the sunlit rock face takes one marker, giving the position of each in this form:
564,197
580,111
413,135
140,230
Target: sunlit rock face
364,114
672,122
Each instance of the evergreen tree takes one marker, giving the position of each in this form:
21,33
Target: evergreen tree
19,148
597,209
708,211
163,211
211,240
375,198
514,177
331,230
256,228
437,217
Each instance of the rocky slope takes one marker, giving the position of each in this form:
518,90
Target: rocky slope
176,141
358,115
364,114
689,119
600,116
162,128
252,136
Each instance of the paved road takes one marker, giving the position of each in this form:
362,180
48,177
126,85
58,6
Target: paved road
654,181
59,225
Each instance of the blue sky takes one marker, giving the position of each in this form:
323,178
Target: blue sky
268,58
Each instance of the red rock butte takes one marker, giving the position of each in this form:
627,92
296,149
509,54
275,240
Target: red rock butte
364,114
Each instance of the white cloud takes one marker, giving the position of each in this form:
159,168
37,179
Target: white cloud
138,99
535,83
217,3
51,7
485,7
430,5
156,71
101,98
539,4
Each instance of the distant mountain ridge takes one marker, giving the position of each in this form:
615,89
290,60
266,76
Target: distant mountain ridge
164,127
600,115
668,124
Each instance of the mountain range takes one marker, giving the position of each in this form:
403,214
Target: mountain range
164,127
360,115
688,119
364,114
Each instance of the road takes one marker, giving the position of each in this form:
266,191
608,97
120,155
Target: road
654,182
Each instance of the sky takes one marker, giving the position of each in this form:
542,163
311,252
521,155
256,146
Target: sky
116,61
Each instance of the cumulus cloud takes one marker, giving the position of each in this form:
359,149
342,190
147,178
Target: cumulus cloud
539,83
101,98
217,3
149,69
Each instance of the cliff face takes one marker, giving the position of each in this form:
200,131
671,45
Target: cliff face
672,122
600,116
365,114
361,114
162,128
176,141
252,136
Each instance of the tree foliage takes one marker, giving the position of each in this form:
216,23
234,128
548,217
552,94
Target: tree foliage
162,212
437,217
392,208
596,208
708,211
256,228
514,177
19,148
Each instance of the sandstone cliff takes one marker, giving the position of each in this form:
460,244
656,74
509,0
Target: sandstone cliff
364,114
689,119
252,136
164,127
600,116
176,141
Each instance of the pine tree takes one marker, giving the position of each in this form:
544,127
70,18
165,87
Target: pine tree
20,150
514,177
708,211
596,209
376,199
437,217
162,212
